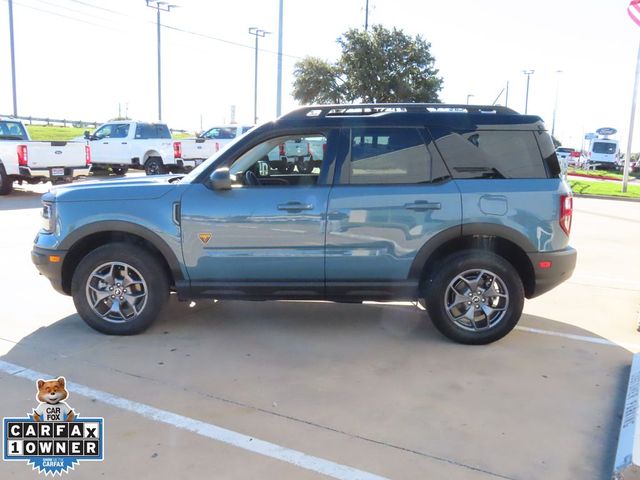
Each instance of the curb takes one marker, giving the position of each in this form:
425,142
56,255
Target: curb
607,197
627,463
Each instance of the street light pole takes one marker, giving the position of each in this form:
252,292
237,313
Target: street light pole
279,86
257,33
164,7
366,17
555,105
13,61
469,96
528,73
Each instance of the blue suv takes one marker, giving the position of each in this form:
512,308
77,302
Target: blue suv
459,207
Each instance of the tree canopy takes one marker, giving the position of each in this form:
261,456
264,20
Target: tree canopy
377,66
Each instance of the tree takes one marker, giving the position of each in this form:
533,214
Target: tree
377,66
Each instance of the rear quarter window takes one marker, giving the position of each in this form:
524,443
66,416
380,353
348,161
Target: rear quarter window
152,130
493,154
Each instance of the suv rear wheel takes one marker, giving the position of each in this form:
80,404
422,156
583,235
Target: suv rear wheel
119,289
474,297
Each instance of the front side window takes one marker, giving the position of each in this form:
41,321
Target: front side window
387,156
292,160
104,132
120,131
492,154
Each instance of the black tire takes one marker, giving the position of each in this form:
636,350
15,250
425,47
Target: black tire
143,266
6,183
120,170
440,291
154,166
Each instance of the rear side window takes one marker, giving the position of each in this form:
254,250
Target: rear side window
152,130
12,130
387,156
492,154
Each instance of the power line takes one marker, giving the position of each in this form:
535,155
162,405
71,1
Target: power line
99,7
67,17
182,30
69,9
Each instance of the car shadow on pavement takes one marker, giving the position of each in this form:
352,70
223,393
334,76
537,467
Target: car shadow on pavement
564,396
20,199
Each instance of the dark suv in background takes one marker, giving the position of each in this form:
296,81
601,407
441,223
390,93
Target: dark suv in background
460,207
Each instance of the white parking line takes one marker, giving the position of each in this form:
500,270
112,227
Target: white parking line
580,338
208,430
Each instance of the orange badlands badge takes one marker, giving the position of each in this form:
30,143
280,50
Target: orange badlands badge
204,237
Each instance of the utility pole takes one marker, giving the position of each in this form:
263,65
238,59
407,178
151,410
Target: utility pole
366,17
13,60
469,96
159,6
555,104
506,96
627,157
528,73
257,33
279,84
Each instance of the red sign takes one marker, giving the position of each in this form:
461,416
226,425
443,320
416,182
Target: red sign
634,11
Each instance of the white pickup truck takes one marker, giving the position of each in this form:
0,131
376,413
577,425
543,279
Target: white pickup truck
125,144
22,160
210,141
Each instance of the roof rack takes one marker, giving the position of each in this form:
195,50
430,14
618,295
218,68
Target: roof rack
341,110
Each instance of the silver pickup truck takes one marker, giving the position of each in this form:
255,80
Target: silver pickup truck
23,160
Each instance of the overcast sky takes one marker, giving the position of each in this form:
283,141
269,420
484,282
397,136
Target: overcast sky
82,58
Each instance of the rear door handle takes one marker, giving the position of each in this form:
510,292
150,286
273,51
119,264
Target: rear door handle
105,143
295,206
123,143
423,205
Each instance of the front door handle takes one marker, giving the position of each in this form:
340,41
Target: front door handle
295,206
423,205
105,143
123,143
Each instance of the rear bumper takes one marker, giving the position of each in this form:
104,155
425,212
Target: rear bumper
41,258
563,262
69,172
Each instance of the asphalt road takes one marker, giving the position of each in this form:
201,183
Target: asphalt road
334,388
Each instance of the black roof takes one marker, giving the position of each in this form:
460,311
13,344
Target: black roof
405,114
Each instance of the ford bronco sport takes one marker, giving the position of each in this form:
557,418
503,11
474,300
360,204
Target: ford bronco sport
460,207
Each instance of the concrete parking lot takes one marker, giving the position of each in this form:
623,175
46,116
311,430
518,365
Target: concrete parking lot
354,391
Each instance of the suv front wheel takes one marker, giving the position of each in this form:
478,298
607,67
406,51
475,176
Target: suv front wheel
119,289
474,297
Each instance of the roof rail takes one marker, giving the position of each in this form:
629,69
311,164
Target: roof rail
377,108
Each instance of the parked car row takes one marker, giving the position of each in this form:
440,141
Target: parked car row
23,160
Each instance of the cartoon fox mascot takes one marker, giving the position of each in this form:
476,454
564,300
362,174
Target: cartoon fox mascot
52,407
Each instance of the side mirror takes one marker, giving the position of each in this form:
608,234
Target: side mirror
87,135
220,179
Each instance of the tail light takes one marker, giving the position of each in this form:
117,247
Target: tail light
324,148
575,154
566,213
281,150
308,148
23,157
87,155
177,150
217,146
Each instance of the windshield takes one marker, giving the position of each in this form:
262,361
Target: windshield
604,147
13,131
